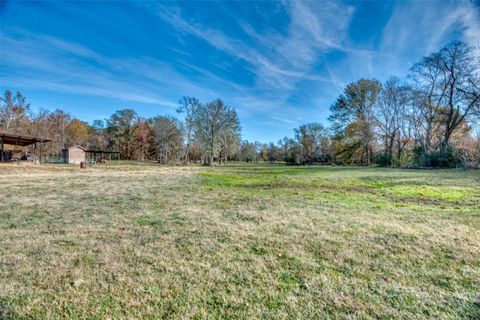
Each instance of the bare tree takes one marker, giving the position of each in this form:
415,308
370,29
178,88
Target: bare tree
425,106
14,112
247,151
392,117
189,106
229,145
168,138
98,139
212,121
59,120
311,137
451,90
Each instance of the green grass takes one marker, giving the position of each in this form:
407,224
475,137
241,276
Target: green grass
132,240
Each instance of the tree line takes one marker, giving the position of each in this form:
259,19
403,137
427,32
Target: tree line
424,120
209,131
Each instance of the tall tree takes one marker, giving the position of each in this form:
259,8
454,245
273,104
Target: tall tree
168,138
189,106
229,145
311,137
41,126
77,133
59,120
393,117
212,121
247,151
143,140
291,150
353,121
98,139
120,128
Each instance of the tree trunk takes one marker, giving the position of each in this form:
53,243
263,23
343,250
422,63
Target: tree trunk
445,142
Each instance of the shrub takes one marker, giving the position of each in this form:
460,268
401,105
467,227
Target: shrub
435,159
383,159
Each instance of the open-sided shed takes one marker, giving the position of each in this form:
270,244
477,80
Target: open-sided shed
78,154
19,140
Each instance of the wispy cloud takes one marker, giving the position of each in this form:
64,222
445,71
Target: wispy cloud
278,60
68,67
418,28
414,29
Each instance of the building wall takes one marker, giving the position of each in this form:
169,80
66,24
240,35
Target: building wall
74,155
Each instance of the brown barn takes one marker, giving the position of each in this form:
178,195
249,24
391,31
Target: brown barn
74,154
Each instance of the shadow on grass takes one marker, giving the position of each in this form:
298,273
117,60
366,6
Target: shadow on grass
6,312
472,311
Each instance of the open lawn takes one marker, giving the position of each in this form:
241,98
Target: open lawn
127,240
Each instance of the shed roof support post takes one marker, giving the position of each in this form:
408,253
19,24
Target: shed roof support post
1,150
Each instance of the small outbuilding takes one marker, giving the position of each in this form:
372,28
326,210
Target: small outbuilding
74,154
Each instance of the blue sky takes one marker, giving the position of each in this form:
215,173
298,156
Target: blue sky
280,64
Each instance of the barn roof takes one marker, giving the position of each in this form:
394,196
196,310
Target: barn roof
20,140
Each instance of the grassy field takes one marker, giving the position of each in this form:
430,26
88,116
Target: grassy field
127,240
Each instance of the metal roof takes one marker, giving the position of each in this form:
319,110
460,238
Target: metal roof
20,140
90,151
100,151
